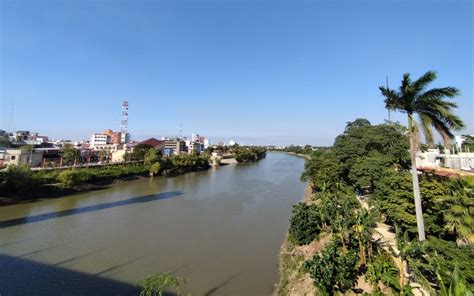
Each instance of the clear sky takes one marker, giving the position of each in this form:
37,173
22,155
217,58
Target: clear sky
261,72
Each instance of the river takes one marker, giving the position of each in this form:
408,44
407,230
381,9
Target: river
220,230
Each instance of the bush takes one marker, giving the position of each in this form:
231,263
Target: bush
305,223
248,154
333,268
155,168
158,284
17,179
71,178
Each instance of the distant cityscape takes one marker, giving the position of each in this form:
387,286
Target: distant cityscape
24,147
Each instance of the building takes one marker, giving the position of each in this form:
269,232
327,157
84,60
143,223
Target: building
433,158
125,138
232,142
21,136
174,147
195,147
33,158
108,147
99,139
157,144
35,139
197,143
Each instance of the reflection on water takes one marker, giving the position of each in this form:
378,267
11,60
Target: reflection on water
220,229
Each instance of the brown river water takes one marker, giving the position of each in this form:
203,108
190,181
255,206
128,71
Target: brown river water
220,230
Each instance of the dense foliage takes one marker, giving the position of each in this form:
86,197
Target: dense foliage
374,161
305,223
332,268
17,180
359,157
248,154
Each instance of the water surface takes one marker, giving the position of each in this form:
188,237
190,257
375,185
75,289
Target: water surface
220,230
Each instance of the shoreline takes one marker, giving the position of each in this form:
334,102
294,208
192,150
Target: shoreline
290,279
52,191
307,157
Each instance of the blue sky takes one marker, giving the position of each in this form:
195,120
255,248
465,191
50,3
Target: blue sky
261,72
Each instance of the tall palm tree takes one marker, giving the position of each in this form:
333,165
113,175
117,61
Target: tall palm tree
432,111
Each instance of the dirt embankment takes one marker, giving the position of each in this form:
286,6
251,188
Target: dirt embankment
293,280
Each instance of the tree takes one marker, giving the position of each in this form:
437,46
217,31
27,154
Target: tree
139,151
103,154
69,154
433,111
150,157
322,170
459,213
333,269
155,168
358,123
305,223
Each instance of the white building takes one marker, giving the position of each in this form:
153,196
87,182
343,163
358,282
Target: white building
459,140
232,142
433,158
125,138
99,139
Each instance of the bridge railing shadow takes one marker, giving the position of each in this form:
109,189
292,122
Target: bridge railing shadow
86,209
20,276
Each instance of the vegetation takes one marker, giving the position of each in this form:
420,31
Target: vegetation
139,152
374,161
305,223
332,269
433,112
248,154
69,154
18,182
158,284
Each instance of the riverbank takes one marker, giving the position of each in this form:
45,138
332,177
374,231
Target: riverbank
305,156
52,191
292,279
21,185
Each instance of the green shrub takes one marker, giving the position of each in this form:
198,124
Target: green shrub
72,177
333,268
305,223
155,168
158,284
17,179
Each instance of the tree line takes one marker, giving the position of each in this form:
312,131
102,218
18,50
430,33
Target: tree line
373,164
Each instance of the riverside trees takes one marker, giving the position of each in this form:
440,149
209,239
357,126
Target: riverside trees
19,182
374,159
433,111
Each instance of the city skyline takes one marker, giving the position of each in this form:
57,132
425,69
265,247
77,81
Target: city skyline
260,73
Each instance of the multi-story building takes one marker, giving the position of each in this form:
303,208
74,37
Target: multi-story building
197,147
21,136
35,139
197,143
125,138
174,147
99,139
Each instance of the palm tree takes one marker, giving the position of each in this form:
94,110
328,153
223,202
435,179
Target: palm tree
432,111
459,212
